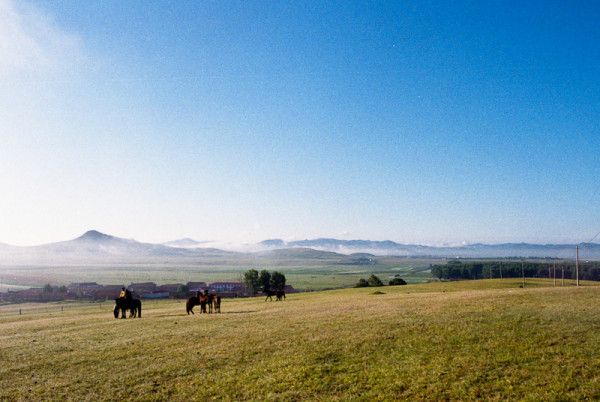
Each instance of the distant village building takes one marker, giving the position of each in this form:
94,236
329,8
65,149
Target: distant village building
144,290
155,295
83,289
196,286
229,289
171,287
142,287
108,292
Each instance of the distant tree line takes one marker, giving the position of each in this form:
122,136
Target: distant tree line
455,270
263,281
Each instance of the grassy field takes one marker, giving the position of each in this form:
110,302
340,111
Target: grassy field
463,340
308,275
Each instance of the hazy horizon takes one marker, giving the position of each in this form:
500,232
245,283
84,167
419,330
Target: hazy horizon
426,123
240,246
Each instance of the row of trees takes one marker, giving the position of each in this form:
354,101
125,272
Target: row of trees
374,281
454,270
263,281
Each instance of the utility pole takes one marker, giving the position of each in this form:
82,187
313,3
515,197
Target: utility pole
554,273
523,272
500,269
562,268
577,265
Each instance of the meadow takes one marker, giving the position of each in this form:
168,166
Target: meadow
466,340
302,274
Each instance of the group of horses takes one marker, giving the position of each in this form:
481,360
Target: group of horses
213,301
204,300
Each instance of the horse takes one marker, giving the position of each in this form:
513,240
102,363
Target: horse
217,303
203,300
133,305
211,298
279,295
191,303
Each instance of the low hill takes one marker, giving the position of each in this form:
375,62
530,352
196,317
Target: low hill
476,340
301,253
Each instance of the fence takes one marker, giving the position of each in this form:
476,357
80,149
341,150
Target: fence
49,308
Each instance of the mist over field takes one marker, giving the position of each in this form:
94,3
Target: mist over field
95,247
308,264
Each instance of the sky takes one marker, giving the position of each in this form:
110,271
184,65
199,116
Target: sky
237,121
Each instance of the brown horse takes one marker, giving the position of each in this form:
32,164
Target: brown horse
217,303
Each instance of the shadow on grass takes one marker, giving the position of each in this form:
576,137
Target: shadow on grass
240,312
205,314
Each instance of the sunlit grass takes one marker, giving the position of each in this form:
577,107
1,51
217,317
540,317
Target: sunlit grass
461,340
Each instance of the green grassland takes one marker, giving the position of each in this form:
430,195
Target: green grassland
485,339
302,274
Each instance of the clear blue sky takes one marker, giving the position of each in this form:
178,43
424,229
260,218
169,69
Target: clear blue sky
419,122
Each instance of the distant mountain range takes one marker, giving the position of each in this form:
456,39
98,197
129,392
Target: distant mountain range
95,247
478,250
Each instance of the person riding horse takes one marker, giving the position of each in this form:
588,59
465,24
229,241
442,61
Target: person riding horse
125,301
125,294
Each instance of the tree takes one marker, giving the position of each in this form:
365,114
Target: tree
48,288
362,283
277,281
264,279
251,281
397,281
182,291
374,281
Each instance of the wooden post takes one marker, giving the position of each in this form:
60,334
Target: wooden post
577,265
554,273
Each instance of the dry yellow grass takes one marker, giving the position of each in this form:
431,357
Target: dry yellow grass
463,340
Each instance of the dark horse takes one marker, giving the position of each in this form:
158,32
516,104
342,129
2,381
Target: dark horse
279,295
133,305
191,303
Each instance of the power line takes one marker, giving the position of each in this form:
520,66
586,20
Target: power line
594,238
